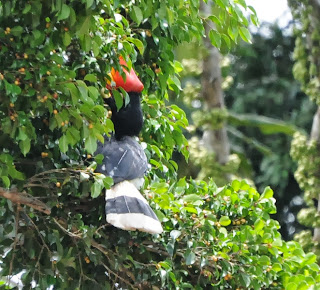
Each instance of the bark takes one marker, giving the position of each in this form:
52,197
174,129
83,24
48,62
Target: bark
26,199
213,140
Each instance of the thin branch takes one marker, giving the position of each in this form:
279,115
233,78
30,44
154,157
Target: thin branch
116,275
73,235
26,199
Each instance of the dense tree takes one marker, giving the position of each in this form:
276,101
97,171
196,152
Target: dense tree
305,149
54,61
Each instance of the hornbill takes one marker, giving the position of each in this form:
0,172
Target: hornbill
125,161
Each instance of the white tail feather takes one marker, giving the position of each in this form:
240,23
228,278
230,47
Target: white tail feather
127,209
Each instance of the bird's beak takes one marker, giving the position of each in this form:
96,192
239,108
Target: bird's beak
110,82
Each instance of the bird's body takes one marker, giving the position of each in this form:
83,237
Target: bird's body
125,161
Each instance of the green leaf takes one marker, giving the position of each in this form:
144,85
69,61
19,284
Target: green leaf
245,280
258,225
84,28
174,234
136,14
225,221
90,78
276,267
93,92
66,38
215,38
17,30
6,181
118,99
91,144
193,199
245,34
264,260
99,158
63,144
265,124
96,188
138,43
25,146
26,9
64,13
190,257
267,193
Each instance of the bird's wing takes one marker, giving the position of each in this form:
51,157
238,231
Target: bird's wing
123,159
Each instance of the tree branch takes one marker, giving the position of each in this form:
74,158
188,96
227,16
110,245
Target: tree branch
24,198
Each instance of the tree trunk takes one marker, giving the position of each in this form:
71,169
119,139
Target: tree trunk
213,140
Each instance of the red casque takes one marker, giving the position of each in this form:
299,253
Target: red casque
132,83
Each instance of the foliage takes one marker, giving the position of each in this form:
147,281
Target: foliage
55,59
222,237
304,151
265,107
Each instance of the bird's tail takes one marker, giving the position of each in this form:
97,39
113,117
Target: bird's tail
127,209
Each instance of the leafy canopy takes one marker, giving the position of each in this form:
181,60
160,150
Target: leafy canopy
55,59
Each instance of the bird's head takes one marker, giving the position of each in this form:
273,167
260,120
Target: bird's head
131,84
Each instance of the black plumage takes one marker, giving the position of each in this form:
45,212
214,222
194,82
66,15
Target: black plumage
128,121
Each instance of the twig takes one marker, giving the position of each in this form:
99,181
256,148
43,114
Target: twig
73,235
116,275
26,199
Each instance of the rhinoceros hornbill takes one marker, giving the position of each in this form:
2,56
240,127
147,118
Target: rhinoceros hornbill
125,161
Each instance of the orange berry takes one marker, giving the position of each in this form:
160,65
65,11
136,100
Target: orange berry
17,82
48,72
214,258
25,56
90,126
48,24
58,184
55,96
66,29
11,105
22,69
55,112
148,33
1,76
45,98
44,154
89,156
